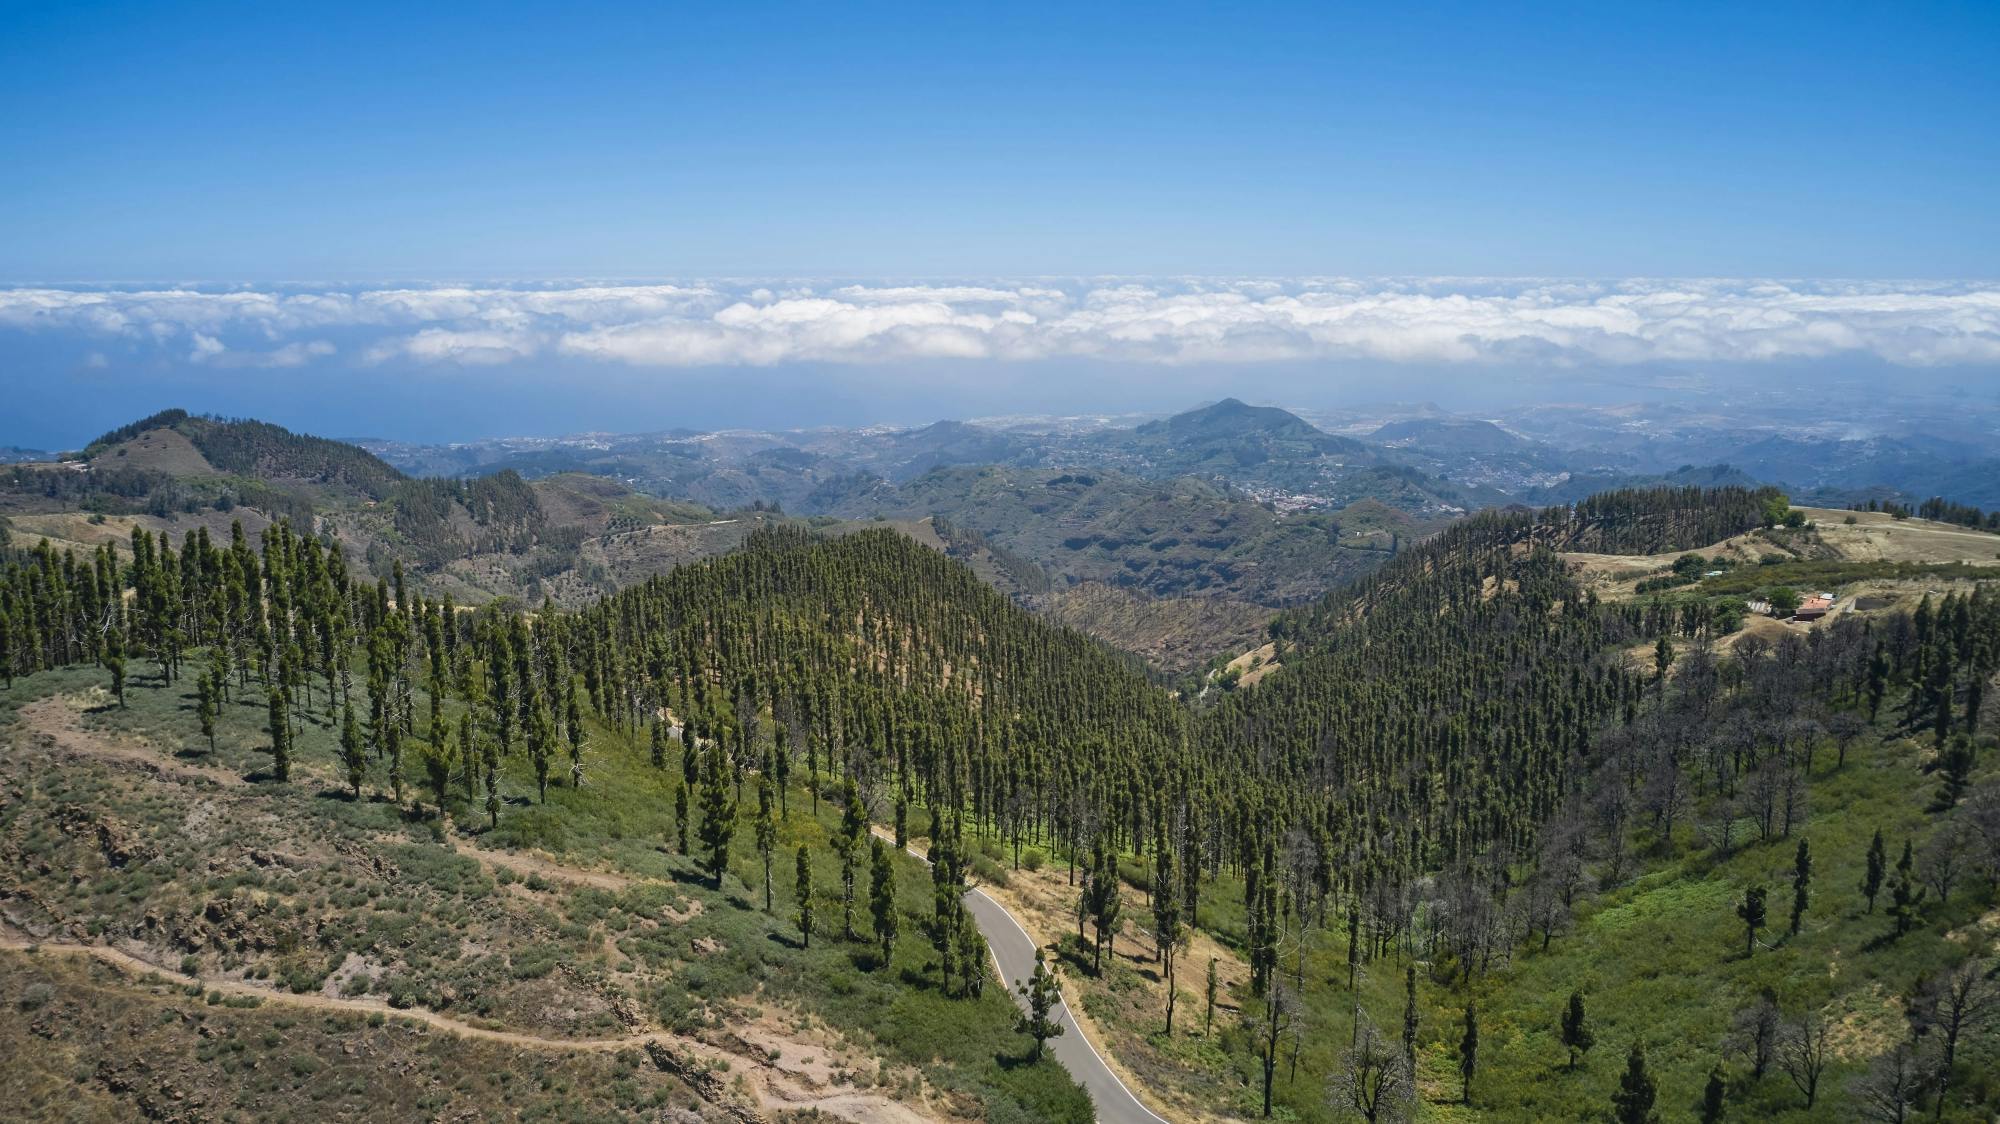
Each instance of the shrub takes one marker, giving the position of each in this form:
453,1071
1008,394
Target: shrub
1136,873
988,871
532,963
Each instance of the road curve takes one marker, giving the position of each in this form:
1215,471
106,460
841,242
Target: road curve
1014,953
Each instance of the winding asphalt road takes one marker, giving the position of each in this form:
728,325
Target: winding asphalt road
1014,951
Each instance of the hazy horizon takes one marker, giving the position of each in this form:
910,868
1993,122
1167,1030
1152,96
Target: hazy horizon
455,362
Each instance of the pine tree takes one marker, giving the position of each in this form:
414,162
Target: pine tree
802,894
1633,1102
280,727
393,741
115,661
1576,1034
1468,1052
1751,910
1106,903
767,834
882,897
1042,994
490,761
437,762
1871,882
206,705
1353,947
1801,884
972,957
572,726
947,904
1208,995
680,818
1409,1019
781,755
1168,929
1905,897
718,815
351,757
853,828
468,757
541,745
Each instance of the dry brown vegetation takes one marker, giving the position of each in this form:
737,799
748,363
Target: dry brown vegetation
1176,634
1872,537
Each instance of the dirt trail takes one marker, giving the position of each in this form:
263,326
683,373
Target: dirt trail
525,863
56,721
126,961
773,1087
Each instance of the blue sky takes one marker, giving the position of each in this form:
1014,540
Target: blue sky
438,220
358,141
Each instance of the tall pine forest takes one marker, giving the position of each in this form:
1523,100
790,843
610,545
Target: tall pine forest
1470,790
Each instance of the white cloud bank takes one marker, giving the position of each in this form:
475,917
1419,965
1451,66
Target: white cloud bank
1558,323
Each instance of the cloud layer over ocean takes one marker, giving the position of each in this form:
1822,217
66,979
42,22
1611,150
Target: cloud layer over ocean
1181,322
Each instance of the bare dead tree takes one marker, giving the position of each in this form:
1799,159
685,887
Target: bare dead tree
1948,856
1803,1054
1952,1005
1754,1033
1892,1085
1372,1082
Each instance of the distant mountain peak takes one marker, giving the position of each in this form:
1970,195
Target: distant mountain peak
1233,416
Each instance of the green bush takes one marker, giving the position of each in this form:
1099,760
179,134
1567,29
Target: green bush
533,962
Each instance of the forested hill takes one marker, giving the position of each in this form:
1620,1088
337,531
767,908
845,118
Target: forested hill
1656,520
246,447
1458,565
889,657
1443,704
1432,709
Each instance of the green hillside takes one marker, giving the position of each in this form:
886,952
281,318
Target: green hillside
1465,768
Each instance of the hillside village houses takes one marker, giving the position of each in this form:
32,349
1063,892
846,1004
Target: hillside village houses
1812,606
